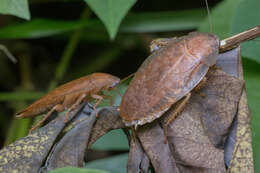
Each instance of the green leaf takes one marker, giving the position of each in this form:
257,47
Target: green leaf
111,12
76,170
20,95
115,164
247,16
163,21
252,78
233,16
134,23
40,28
17,8
221,17
114,140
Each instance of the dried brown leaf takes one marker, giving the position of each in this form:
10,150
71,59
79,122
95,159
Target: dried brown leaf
204,124
242,157
138,161
28,154
152,139
108,119
70,150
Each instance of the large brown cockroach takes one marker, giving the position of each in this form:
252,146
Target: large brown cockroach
168,75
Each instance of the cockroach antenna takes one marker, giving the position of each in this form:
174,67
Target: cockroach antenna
121,81
7,53
125,78
117,90
210,24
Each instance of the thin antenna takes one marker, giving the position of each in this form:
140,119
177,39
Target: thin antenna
121,81
127,77
117,90
8,54
210,24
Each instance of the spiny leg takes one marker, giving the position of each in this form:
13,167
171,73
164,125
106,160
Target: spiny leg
78,101
99,99
110,98
58,108
201,85
179,107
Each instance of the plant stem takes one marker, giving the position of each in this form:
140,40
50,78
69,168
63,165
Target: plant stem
19,127
68,52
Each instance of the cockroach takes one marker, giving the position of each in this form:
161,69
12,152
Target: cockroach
171,72
70,95
168,75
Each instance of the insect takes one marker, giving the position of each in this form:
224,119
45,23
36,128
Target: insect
70,95
168,75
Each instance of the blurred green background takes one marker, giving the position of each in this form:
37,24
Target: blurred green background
56,41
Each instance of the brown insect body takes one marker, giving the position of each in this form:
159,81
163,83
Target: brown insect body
67,94
167,75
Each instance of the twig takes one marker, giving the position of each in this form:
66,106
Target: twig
234,41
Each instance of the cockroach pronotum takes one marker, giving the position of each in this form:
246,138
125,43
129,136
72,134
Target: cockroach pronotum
70,95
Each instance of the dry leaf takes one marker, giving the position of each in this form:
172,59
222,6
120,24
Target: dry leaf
28,154
152,139
70,149
242,157
138,161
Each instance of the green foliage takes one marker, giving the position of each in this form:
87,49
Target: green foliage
76,170
234,16
110,12
38,28
17,8
115,164
134,23
20,95
221,17
247,16
252,71
111,141
162,21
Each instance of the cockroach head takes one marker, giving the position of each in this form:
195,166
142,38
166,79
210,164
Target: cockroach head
112,82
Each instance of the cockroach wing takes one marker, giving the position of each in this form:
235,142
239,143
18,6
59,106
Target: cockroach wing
167,75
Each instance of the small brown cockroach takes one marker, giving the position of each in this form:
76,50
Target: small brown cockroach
70,95
168,75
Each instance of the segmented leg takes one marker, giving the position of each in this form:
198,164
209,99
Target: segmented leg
98,99
179,107
58,108
78,101
110,98
201,85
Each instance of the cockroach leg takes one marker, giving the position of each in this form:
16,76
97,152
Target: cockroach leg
110,98
99,99
58,108
201,85
179,107
78,101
